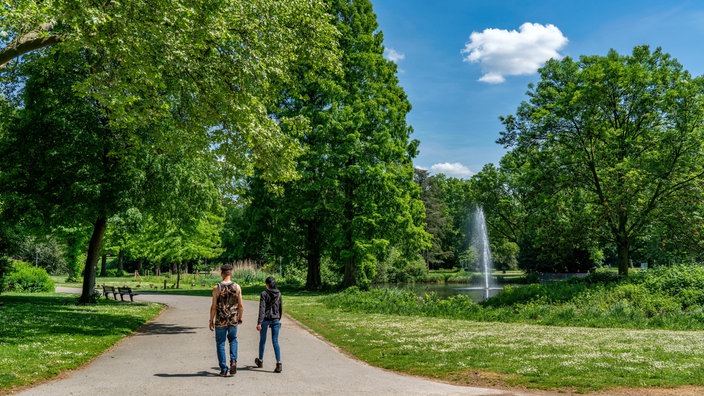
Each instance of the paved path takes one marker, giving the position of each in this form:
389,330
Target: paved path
175,355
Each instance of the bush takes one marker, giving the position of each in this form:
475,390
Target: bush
28,279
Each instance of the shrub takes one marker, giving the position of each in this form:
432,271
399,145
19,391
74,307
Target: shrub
29,279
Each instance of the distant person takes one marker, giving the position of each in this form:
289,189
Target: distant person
226,313
270,311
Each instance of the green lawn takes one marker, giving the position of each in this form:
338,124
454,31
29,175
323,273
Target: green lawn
46,333
573,359
568,359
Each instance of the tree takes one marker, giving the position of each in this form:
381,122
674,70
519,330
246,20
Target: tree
219,61
624,131
460,203
67,165
355,196
360,156
436,218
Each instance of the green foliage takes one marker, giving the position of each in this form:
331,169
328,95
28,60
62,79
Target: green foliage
605,155
272,38
667,298
354,199
26,278
45,253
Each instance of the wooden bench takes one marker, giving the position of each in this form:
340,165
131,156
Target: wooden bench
126,290
107,290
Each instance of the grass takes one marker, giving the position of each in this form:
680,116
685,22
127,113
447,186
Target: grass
574,359
44,334
517,348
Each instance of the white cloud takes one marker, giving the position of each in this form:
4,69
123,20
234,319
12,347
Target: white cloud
453,170
394,56
509,53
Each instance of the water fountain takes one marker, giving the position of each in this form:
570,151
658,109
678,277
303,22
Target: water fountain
480,238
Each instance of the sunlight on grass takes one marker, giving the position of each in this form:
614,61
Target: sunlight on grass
46,333
533,356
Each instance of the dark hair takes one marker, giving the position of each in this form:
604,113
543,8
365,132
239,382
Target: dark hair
271,282
226,269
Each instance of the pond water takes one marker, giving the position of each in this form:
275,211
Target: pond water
445,290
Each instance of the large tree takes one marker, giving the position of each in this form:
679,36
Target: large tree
437,220
355,197
65,164
624,130
218,61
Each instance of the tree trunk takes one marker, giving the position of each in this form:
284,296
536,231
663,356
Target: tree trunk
313,280
104,265
121,261
96,240
348,249
622,247
178,276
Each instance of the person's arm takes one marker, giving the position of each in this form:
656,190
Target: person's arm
213,308
262,308
240,307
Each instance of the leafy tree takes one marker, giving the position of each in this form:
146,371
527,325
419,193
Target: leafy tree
625,132
436,219
67,165
369,199
458,199
219,61
355,197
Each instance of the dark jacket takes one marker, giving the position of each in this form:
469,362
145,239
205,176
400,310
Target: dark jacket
270,307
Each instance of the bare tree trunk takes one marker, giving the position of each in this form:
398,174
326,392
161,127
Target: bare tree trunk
121,261
96,240
313,280
104,265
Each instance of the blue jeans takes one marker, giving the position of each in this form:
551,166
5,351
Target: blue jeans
275,327
222,334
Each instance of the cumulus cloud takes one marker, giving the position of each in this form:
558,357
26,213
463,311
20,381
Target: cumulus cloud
508,53
455,169
394,56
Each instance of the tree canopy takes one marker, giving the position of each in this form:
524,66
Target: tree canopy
219,62
622,135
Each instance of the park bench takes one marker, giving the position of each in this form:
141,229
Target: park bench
126,290
107,290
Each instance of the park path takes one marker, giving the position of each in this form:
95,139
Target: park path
174,354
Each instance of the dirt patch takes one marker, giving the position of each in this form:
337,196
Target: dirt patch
498,381
679,391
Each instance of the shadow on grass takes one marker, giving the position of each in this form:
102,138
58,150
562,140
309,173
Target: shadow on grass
39,316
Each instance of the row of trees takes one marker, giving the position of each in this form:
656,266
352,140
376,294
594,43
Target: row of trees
132,128
276,130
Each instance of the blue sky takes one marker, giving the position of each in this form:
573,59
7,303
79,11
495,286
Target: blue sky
464,63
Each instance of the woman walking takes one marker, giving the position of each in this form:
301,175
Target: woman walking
270,311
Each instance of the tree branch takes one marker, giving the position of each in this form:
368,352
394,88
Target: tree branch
30,41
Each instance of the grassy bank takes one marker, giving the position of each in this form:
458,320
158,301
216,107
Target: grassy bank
510,354
44,334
